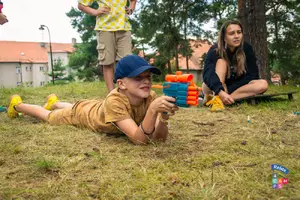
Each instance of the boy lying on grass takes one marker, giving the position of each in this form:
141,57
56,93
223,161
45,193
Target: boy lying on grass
132,108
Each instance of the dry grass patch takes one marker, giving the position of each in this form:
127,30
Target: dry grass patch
207,155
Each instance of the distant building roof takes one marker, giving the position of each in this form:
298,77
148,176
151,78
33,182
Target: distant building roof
199,47
30,52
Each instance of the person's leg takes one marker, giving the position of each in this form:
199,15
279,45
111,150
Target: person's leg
61,105
17,106
124,44
33,111
106,56
221,71
54,103
215,102
252,88
205,89
108,73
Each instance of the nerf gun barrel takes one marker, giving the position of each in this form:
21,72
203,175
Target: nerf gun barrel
181,87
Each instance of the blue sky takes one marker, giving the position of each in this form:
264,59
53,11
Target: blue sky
26,16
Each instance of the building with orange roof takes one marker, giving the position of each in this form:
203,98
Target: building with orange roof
199,47
28,63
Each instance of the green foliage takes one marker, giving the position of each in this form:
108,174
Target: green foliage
284,38
160,62
58,69
166,25
84,24
84,61
45,165
221,10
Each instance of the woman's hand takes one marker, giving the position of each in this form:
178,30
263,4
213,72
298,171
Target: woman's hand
226,98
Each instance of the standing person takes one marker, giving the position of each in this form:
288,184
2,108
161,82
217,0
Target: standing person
230,69
113,32
3,18
132,108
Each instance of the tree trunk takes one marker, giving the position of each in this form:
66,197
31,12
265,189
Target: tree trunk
187,64
143,49
176,58
186,45
169,67
243,17
258,36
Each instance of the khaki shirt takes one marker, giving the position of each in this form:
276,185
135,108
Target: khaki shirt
99,115
116,20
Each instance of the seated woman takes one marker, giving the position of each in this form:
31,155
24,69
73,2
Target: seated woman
230,70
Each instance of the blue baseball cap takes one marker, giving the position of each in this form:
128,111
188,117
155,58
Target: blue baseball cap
131,66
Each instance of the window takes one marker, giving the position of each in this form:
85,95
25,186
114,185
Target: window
42,68
42,83
28,68
18,70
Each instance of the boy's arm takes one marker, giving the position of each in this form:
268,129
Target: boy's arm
150,127
137,133
161,128
92,11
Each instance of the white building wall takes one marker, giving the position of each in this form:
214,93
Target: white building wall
9,75
27,75
40,74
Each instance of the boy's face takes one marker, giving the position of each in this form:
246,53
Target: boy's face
139,86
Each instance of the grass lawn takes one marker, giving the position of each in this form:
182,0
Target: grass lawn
207,155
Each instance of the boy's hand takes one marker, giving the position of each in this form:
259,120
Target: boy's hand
164,104
3,19
101,11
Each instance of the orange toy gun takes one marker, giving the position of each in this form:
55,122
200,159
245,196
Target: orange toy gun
182,88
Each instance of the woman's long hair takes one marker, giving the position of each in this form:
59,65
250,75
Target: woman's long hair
239,57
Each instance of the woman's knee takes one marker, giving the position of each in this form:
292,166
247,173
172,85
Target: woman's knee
205,89
262,86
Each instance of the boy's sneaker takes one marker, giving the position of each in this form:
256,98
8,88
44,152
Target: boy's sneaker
14,101
51,99
215,104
